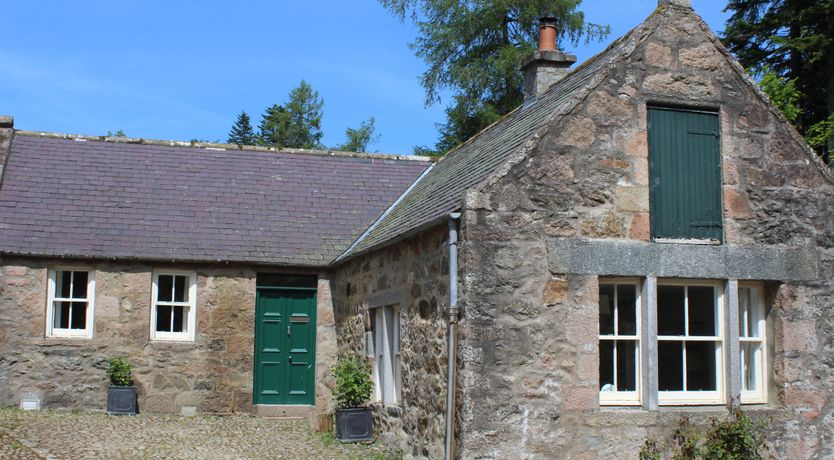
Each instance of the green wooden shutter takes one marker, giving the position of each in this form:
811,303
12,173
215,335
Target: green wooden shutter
685,175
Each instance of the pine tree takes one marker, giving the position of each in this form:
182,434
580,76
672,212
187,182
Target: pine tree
297,124
475,48
360,138
795,39
273,122
242,132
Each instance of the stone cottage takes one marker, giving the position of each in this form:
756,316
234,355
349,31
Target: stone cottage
646,237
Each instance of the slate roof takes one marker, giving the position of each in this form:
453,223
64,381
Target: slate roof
441,190
69,198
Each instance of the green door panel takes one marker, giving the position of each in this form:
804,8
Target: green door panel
685,175
285,346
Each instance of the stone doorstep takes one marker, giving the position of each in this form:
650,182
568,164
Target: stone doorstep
280,411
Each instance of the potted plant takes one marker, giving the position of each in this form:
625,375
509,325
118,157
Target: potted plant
121,395
354,421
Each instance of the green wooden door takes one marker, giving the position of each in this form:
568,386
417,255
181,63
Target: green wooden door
285,346
685,175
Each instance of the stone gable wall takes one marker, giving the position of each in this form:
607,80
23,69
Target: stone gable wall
529,351
414,274
213,373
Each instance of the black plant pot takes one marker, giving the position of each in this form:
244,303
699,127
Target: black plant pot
353,425
121,400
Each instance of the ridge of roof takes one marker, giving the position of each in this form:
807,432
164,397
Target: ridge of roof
215,146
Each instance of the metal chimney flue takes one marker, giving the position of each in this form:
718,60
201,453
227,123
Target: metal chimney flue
547,34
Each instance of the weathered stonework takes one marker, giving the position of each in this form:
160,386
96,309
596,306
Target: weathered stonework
529,271
413,274
213,373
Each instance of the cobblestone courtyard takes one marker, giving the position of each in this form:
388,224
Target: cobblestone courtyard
84,435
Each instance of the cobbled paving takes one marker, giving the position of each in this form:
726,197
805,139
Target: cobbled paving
51,434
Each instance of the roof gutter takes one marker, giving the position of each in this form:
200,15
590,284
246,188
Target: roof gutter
452,345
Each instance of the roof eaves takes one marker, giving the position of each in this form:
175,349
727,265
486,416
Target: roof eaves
169,260
391,241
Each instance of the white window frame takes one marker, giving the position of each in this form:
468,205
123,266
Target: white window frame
758,396
52,287
386,353
625,398
190,319
678,398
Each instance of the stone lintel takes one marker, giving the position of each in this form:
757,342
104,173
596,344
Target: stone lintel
675,260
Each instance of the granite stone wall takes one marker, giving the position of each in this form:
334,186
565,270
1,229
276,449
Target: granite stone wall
414,275
213,373
529,353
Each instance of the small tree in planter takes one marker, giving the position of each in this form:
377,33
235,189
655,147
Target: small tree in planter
354,422
121,395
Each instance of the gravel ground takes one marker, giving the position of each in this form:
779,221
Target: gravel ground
55,434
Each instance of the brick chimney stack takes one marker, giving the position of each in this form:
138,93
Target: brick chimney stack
547,65
6,133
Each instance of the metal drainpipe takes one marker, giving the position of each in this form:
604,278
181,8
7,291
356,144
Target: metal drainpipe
452,348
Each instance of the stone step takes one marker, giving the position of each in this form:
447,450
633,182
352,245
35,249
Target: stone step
280,411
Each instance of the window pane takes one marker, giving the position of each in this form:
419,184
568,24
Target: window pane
700,366
163,318
626,365
163,291
750,362
606,309
749,312
606,365
179,318
670,366
743,311
670,313
180,288
61,315
78,315
702,310
627,309
62,284
79,285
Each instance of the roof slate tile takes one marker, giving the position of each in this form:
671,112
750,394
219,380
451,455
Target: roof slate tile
102,199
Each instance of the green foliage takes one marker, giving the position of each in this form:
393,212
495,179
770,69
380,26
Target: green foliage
782,92
296,124
360,138
820,133
794,38
473,49
651,450
426,151
242,132
119,133
118,371
735,438
353,382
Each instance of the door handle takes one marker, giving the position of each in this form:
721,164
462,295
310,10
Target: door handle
288,331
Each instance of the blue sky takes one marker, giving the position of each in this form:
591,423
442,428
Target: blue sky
184,69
